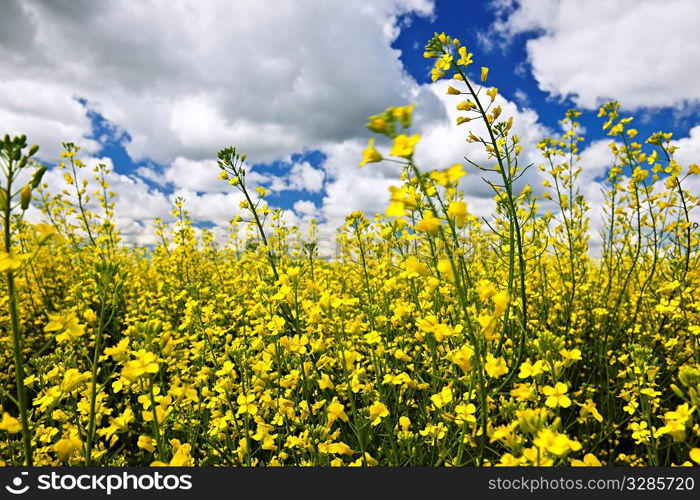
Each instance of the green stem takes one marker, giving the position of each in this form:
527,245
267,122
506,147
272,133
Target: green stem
93,385
16,334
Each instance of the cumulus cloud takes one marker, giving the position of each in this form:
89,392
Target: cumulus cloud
187,78
306,208
46,113
644,52
304,177
181,80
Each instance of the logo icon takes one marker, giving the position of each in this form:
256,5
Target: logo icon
17,483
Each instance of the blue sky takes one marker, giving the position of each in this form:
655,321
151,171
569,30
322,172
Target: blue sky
158,91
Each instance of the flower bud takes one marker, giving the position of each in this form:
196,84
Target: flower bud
38,175
484,73
25,196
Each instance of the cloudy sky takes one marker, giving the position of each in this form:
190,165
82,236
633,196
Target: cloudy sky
156,87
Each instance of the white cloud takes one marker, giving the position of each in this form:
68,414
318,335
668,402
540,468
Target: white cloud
188,78
45,113
182,80
302,176
306,208
645,53
688,148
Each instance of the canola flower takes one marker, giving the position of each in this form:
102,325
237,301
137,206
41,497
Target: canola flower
434,338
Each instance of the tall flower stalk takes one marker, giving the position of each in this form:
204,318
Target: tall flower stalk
14,161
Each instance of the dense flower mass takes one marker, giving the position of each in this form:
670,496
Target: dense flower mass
433,338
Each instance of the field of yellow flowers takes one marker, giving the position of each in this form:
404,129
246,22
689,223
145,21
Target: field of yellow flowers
433,338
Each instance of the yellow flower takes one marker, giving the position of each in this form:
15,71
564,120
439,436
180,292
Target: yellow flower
589,408
403,145
246,404
120,423
486,289
449,176
370,155
524,392
336,410
488,325
90,316
571,355
413,265
369,460
508,460
531,420
72,379
462,357
146,362
440,331
396,209
325,382
119,352
181,458
555,443
528,369
589,460
10,423
436,73
377,411
695,455
484,73
403,114
146,443
378,124
67,326
445,267
428,224
500,301
444,62
556,396
442,398
465,58
11,262
464,413
67,446
495,367
458,210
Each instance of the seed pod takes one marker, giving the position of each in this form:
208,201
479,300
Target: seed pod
33,150
677,390
3,198
25,196
38,175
